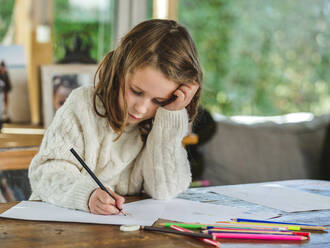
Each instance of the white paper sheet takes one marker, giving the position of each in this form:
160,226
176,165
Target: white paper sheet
276,196
144,212
197,212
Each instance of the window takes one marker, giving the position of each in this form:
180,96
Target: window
91,20
262,57
6,11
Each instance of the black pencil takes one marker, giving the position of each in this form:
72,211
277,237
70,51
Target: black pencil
94,177
191,234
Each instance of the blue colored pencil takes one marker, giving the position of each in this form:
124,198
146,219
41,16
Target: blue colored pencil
270,222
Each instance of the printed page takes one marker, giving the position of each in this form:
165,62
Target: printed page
276,196
197,212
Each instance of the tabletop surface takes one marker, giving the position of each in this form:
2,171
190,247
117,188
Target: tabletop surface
22,233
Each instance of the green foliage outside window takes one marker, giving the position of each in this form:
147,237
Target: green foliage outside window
94,24
6,11
262,57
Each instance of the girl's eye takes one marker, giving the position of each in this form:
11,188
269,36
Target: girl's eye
157,102
136,92
168,101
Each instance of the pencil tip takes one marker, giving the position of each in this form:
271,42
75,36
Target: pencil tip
122,211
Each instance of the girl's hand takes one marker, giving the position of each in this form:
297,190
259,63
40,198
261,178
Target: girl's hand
101,203
184,94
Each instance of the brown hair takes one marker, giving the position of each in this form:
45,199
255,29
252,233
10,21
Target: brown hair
163,44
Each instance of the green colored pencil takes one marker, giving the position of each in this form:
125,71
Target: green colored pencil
206,226
186,225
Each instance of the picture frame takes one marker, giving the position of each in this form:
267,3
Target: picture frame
57,82
15,111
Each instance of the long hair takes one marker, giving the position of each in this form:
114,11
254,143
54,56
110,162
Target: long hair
163,44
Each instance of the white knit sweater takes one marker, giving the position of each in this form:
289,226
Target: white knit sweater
161,167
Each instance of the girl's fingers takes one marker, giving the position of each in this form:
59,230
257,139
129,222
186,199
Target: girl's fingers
179,102
119,199
109,210
184,94
180,95
98,210
105,208
101,203
189,90
104,197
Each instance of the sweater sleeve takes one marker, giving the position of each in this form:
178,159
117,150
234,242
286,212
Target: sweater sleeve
163,163
55,174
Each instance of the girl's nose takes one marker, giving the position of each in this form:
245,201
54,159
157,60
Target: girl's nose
141,107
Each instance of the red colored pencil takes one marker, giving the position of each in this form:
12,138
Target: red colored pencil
258,236
220,230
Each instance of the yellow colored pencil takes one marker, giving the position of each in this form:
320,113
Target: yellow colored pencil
306,234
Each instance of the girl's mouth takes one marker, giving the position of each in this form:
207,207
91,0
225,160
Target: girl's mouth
133,117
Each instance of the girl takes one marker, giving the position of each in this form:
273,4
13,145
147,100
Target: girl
128,128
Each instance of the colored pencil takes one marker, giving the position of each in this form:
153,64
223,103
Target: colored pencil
81,161
199,183
258,236
303,226
166,230
186,225
210,231
249,227
271,222
205,240
289,227
207,226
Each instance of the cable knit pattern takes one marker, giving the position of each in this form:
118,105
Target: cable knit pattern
160,167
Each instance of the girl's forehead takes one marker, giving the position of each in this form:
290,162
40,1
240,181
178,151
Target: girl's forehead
152,81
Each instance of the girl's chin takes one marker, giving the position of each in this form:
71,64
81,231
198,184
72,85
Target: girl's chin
132,123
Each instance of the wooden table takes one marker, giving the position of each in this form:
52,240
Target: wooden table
20,233
17,158
19,140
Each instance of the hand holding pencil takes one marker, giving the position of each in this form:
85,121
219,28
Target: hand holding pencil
100,202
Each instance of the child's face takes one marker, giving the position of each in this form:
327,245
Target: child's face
146,90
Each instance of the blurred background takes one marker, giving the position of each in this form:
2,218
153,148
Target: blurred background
265,106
